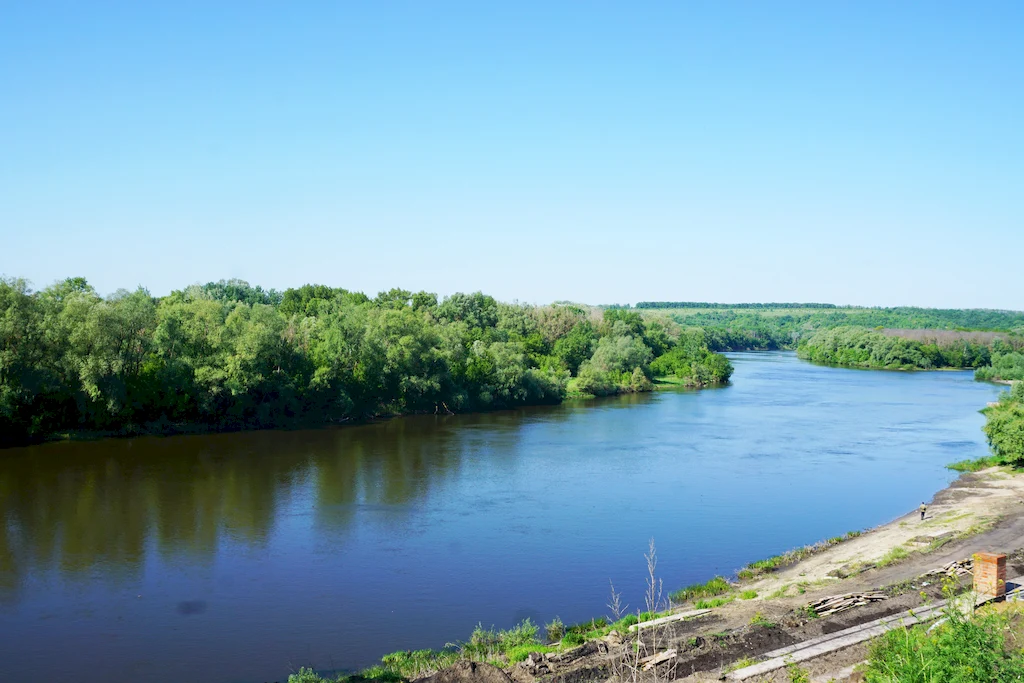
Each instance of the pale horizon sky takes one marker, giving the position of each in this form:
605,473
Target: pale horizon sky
866,153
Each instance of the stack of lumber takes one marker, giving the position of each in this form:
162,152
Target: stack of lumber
841,603
955,568
649,663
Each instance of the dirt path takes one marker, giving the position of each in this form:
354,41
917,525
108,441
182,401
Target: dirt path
979,511
983,511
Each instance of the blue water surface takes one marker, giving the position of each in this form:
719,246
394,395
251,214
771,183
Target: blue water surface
241,557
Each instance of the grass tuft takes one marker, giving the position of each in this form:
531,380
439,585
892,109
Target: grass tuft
981,463
714,602
709,589
895,555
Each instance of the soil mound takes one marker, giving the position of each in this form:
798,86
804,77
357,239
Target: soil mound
468,672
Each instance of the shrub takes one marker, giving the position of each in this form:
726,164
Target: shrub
555,629
573,638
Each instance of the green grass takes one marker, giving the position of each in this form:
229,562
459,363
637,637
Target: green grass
981,463
709,589
797,674
586,627
714,602
521,652
809,612
939,542
761,620
895,555
748,595
771,564
498,647
985,646
738,664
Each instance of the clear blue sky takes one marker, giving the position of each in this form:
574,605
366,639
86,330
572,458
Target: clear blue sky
848,152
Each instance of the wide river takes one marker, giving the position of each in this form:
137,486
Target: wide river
241,557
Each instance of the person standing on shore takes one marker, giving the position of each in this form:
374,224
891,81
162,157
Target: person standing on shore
923,508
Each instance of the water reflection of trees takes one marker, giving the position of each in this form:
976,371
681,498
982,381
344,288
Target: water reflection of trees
73,507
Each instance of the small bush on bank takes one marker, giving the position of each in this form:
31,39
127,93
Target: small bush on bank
555,629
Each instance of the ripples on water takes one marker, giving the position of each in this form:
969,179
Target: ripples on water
240,557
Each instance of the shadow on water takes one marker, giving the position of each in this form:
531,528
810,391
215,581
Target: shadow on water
74,506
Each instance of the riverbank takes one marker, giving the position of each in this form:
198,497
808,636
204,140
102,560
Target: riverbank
168,428
727,625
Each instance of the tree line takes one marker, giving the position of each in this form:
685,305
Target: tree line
785,327
704,304
867,348
228,355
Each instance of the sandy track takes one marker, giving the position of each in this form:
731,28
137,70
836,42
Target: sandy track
983,511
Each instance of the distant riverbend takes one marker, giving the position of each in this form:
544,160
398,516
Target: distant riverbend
241,557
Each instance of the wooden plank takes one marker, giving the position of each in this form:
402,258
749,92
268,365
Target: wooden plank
782,652
815,647
651,662
670,618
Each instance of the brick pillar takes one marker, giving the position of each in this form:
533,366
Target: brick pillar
989,575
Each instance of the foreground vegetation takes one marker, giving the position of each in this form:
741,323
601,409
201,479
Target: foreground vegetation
228,355
984,648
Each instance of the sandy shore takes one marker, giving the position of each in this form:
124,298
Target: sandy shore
981,511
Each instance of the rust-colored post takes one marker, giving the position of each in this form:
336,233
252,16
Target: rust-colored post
989,575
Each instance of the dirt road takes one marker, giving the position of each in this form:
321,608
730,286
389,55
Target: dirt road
983,511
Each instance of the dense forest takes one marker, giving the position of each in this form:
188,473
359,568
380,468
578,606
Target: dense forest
704,304
783,327
895,350
228,355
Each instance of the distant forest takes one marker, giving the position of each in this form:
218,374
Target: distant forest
228,355
784,328
703,304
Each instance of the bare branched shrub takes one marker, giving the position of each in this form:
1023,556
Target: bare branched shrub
615,604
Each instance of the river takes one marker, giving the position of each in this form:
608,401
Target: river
241,557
